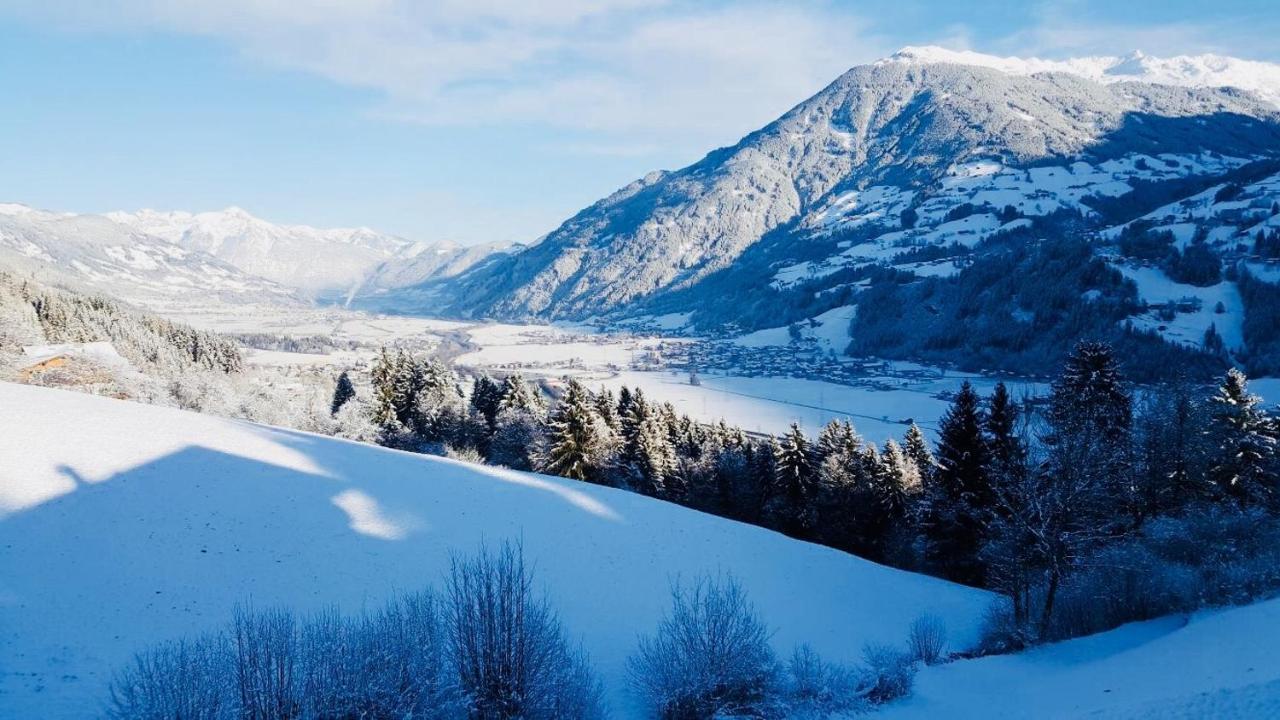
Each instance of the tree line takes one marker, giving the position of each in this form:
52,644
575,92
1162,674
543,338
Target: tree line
1014,496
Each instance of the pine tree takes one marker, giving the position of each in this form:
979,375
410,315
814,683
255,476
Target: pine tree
389,394
916,449
486,399
899,482
1091,429
794,472
960,500
655,459
606,406
1245,445
577,437
519,395
343,392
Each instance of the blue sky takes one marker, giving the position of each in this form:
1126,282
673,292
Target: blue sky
470,120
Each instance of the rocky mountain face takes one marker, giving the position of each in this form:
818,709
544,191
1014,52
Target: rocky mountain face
832,183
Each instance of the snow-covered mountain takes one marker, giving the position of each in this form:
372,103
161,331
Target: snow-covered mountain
227,255
1200,71
313,260
97,252
154,523
909,162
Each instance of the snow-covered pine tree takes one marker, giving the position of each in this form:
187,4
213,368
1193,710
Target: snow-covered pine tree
916,449
1244,445
794,473
343,392
388,393
486,399
607,407
520,395
577,437
655,458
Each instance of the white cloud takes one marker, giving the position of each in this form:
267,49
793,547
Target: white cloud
662,68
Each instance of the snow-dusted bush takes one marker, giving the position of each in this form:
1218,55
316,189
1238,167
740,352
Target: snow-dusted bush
507,646
927,639
388,664
817,689
710,656
353,422
888,673
465,454
487,648
268,668
1211,555
183,679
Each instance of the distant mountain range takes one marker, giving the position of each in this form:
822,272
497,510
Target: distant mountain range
228,254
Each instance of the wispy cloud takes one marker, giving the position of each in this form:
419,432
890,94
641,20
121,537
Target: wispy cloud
1070,28
655,67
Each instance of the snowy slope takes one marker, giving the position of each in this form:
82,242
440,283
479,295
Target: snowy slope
1215,664
123,524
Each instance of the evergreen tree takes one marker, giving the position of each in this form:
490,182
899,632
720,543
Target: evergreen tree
794,472
607,407
486,399
343,392
519,395
960,501
390,394
655,458
577,437
916,449
1090,428
1244,439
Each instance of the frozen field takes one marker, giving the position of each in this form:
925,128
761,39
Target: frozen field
880,409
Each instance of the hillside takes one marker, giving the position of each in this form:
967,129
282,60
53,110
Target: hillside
1214,663
126,524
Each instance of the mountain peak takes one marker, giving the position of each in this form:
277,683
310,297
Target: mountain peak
1206,70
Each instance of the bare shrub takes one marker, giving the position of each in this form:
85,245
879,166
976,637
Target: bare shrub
485,649
507,646
388,664
710,656
183,679
818,689
888,674
464,453
267,668
927,639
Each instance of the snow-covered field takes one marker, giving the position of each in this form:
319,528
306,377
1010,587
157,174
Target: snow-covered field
1216,664
124,524
880,409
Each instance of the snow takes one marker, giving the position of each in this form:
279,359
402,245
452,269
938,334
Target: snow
880,408
1261,78
1216,663
1189,327
126,524
101,352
